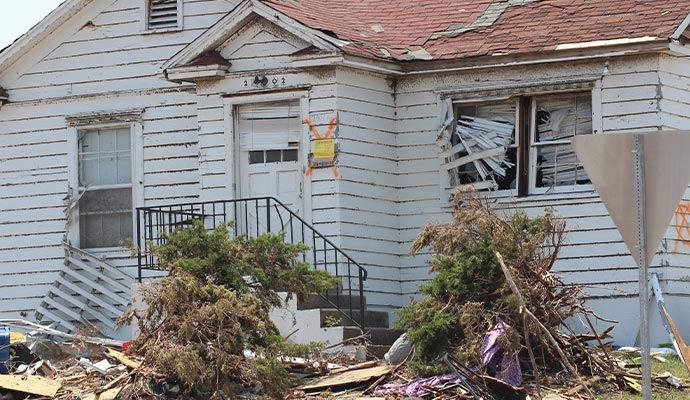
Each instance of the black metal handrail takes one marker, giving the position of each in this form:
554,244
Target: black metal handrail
253,217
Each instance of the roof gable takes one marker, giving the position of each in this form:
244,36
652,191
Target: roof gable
261,43
218,37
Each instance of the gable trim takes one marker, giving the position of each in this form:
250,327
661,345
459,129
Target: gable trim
233,21
681,28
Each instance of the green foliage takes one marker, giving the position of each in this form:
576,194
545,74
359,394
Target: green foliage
213,308
469,289
258,265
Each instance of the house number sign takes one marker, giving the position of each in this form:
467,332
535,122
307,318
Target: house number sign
264,81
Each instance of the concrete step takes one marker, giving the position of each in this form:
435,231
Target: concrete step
315,301
377,336
372,319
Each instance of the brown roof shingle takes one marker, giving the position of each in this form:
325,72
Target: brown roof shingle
449,29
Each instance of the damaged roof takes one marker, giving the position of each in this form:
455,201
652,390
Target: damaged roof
446,29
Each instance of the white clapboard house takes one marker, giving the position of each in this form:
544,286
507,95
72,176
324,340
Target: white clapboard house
120,119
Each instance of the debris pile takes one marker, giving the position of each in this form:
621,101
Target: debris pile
475,291
495,324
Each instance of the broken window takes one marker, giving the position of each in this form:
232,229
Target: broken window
558,120
105,179
164,14
522,144
482,145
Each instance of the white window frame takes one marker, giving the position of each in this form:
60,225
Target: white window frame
137,184
534,150
232,144
146,15
532,189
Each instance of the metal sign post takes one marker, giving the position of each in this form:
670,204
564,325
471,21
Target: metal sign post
641,178
643,267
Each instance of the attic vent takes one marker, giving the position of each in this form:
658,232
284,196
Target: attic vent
163,14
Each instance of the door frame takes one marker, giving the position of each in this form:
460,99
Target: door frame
232,146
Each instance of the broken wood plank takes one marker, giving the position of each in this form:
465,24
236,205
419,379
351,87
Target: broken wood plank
30,384
362,365
678,343
498,151
110,394
348,377
122,358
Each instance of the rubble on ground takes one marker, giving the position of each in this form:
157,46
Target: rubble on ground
78,367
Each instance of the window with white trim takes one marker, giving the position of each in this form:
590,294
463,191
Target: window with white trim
523,143
105,187
163,14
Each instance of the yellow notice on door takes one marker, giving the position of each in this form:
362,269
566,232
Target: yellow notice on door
324,148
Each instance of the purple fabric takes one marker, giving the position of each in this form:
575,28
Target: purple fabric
417,387
497,364
505,367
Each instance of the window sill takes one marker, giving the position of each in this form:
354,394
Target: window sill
542,193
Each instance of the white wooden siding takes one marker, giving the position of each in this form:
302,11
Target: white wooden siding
107,64
368,164
633,95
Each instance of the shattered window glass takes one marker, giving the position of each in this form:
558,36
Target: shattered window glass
558,120
105,179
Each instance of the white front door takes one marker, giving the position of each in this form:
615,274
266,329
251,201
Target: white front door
269,163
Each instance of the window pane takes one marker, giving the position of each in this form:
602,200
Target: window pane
560,118
558,165
105,217
88,170
105,157
123,139
106,201
107,140
107,169
91,231
290,155
273,156
124,168
88,142
256,157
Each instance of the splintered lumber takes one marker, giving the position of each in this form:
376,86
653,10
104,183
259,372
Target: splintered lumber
362,365
348,377
547,333
30,384
110,394
684,349
678,343
123,359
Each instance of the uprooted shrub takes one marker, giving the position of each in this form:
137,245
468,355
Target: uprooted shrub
469,290
207,326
